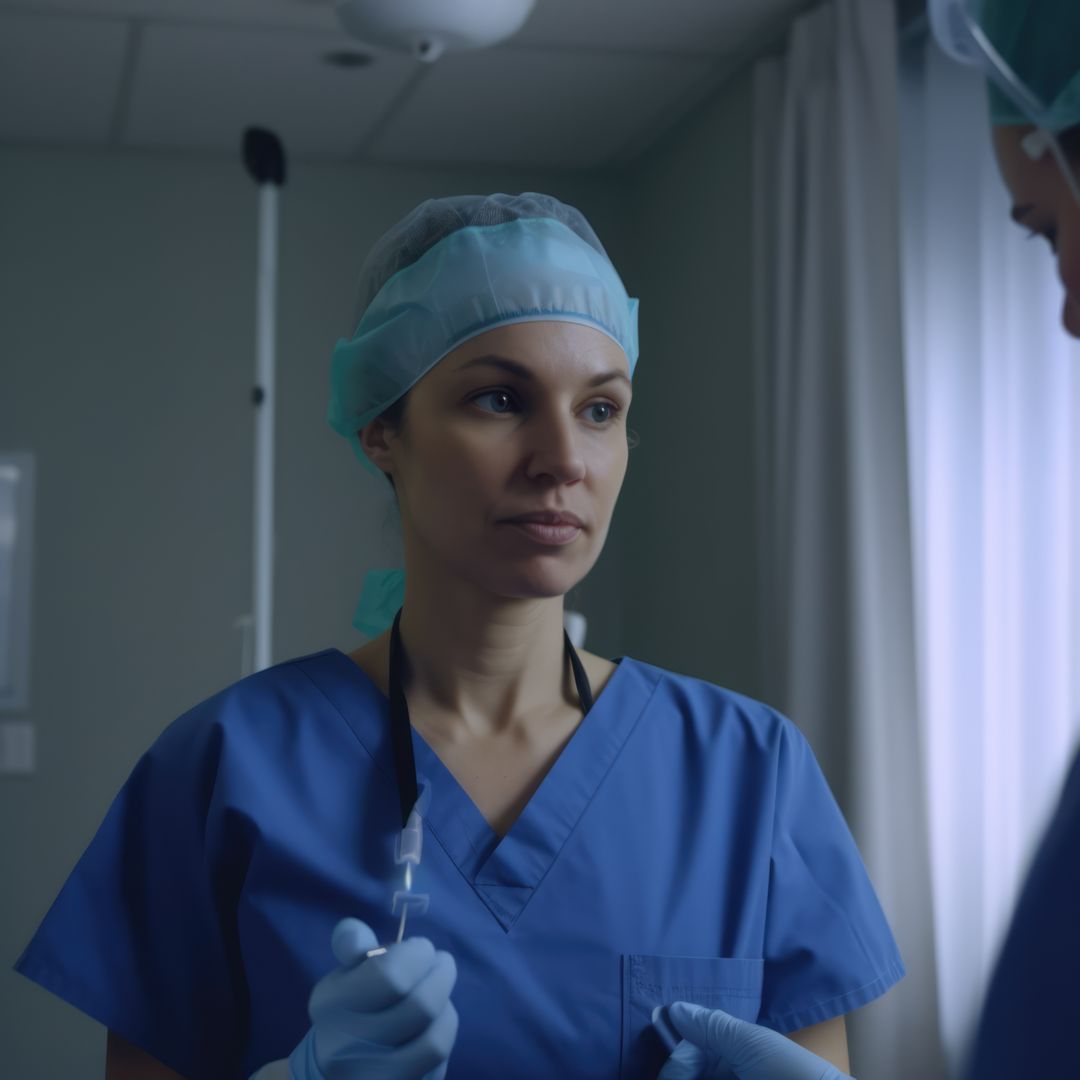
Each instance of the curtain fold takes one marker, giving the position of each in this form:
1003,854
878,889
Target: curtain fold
838,638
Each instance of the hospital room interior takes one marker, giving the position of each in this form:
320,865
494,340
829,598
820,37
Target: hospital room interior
863,538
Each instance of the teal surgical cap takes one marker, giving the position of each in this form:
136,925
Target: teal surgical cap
456,267
1040,41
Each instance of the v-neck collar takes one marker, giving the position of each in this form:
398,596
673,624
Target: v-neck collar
504,871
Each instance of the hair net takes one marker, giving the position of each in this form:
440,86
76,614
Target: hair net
456,267
1040,42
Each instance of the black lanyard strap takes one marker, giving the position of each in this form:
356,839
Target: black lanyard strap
401,727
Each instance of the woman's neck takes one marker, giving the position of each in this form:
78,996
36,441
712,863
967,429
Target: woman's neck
484,678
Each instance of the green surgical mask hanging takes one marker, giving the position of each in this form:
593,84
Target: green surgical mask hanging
382,596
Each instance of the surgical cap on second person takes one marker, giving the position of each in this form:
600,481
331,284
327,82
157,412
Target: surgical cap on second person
1040,41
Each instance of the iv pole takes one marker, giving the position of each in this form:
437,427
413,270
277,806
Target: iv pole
264,159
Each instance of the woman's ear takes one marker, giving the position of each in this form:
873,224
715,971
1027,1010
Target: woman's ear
373,439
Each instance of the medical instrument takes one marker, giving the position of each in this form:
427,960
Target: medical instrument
1031,60
407,850
428,28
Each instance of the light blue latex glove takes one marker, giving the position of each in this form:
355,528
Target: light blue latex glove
384,1018
717,1046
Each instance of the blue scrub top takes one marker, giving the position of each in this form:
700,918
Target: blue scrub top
1032,1012
684,845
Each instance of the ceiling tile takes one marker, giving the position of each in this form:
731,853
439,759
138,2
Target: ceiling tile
309,14
59,78
585,83
200,87
534,107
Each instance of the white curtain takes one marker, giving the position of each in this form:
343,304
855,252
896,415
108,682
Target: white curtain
994,404
836,589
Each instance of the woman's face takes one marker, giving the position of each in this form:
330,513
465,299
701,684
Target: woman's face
482,444
1044,204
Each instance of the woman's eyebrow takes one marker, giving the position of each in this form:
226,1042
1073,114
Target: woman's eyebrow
514,368
1020,212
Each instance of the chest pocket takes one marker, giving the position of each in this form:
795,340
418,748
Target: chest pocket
728,983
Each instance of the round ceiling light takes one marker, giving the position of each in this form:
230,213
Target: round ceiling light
428,28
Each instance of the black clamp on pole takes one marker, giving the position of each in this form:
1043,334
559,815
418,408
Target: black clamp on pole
264,156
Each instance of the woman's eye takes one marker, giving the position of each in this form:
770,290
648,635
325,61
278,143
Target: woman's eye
614,409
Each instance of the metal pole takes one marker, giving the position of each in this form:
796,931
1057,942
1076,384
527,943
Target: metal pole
265,161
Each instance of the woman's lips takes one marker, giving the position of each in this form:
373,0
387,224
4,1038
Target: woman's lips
546,534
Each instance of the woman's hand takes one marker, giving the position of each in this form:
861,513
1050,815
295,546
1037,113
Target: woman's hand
716,1045
386,1017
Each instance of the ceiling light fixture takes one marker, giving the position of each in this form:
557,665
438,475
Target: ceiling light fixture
428,28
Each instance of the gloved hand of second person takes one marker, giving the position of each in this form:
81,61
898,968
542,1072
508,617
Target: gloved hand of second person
717,1045
388,1017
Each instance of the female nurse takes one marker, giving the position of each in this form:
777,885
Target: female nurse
1032,1010
593,839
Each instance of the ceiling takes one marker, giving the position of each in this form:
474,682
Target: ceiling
584,84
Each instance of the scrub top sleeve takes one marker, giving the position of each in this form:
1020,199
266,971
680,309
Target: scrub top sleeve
142,935
828,946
